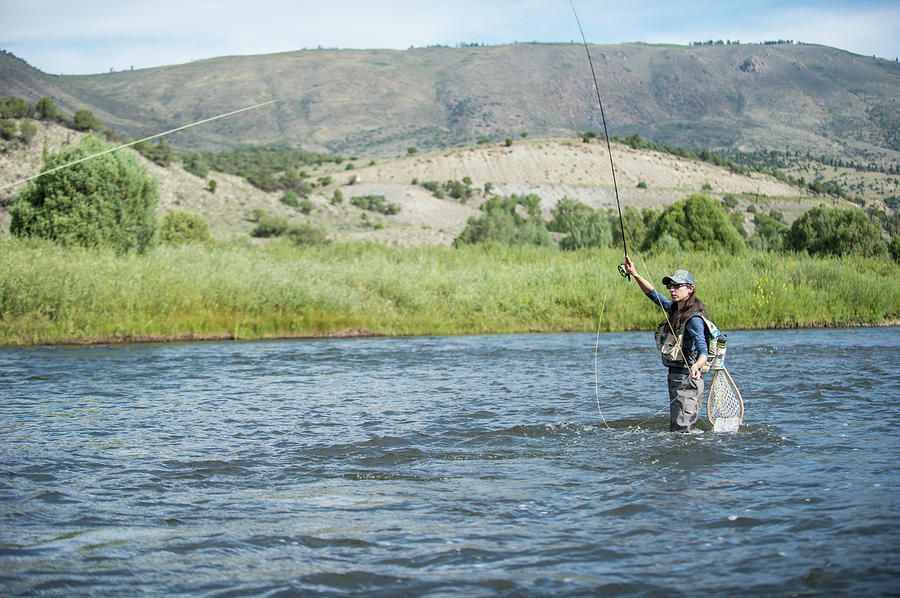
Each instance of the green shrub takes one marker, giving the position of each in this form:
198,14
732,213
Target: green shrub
737,221
13,107
699,223
459,189
306,188
502,224
195,164
269,226
45,109
306,234
769,235
375,203
894,248
261,165
84,120
27,131
649,216
583,226
493,226
179,227
306,206
667,245
160,153
290,199
636,224
107,200
7,128
826,231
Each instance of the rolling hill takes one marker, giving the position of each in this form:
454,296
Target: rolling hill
377,103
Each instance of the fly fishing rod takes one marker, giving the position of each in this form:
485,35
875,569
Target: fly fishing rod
606,135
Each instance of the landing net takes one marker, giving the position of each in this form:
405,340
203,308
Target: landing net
724,405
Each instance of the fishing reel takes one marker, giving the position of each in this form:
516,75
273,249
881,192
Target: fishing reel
623,272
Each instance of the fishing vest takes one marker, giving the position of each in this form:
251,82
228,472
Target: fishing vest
670,346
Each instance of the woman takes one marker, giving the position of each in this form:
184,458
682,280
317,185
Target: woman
684,362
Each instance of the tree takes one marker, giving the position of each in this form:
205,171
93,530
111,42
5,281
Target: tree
107,200
495,226
894,248
13,107
7,128
833,231
84,120
45,109
698,223
592,230
770,233
502,223
291,180
583,226
635,226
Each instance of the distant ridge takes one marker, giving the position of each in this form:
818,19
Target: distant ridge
801,98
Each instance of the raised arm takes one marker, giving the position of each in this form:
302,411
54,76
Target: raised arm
645,285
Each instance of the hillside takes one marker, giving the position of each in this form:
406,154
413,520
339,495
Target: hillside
376,103
551,168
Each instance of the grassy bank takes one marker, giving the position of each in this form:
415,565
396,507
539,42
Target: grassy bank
50,294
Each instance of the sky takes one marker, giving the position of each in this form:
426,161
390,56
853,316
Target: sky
94,36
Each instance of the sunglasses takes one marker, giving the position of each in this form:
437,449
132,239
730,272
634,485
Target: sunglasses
678,285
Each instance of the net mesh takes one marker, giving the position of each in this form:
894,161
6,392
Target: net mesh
724,406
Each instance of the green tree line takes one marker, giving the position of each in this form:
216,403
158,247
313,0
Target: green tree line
696,223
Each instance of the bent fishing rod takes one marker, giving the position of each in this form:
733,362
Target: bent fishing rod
606,135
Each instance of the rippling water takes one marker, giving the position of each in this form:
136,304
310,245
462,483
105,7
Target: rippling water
468,466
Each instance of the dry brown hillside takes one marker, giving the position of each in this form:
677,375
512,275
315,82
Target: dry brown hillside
552,169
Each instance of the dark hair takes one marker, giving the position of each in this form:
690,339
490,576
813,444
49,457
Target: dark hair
680,311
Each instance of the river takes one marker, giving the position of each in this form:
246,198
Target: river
452,466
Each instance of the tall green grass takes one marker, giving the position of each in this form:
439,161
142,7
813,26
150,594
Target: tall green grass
51,294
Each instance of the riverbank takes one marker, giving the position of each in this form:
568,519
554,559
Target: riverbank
55,295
